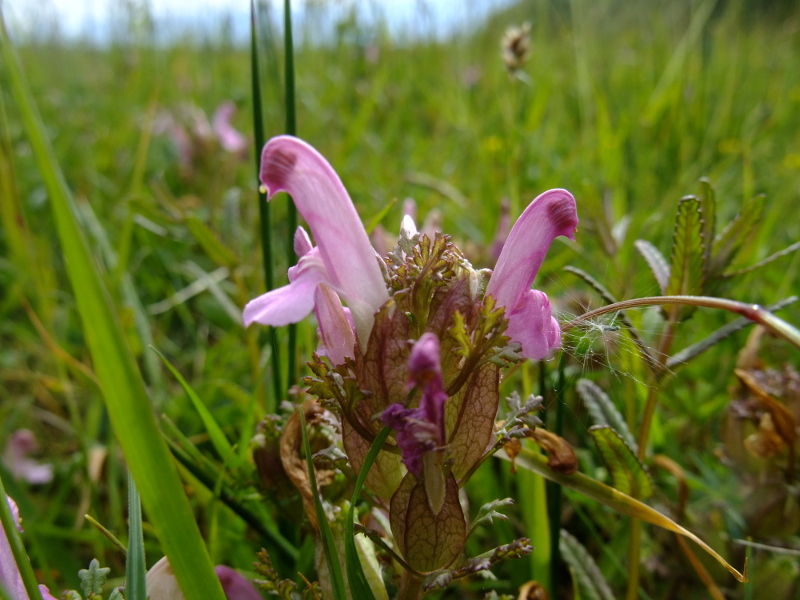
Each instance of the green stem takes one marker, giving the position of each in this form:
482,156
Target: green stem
556,494
752,311
17,549
265,217
291,129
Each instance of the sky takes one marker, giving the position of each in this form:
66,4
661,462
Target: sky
92,19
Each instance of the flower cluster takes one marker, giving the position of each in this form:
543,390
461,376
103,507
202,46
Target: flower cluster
420,345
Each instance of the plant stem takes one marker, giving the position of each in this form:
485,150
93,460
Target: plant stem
555,492
265,217
410,587
291,129
752,311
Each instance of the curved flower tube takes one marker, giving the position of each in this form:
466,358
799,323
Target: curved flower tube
343,257
529,315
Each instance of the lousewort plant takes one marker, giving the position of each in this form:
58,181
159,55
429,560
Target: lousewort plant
419,348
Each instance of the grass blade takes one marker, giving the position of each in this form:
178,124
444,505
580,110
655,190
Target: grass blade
325,534
265,216
221,443
355,573
135,569
615,499
123,388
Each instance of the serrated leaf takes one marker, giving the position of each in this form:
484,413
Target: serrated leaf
586,574
688,248
729,242
488,512
627,471
656,261
603,411
93,578
211,244
708,208
613,498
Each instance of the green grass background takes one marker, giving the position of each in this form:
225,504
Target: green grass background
626,104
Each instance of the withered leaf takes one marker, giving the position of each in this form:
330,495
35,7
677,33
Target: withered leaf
426,540
560,455
782,419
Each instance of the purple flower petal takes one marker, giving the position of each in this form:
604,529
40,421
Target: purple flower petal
236,586
10,578
421,430
550,215
229,138
289,164
290,303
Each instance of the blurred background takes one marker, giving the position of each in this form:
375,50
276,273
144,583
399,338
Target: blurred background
626,104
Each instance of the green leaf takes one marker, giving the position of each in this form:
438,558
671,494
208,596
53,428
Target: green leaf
135,568
326,536
708,208
656,261
608,496
730,241
488,513
221,443
627,472
688,248
124,391
603,411
93,578
211,244
586,574
355,573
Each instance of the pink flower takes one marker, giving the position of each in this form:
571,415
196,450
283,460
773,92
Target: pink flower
229,137
530,319
343,259
163,585
15,459
10,577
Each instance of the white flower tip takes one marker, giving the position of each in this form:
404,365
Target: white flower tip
408,228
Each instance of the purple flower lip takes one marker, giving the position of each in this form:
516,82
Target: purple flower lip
529,315
343,258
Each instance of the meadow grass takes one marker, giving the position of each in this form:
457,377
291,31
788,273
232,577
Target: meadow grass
627,105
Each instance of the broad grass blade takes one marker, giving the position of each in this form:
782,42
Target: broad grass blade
123,388
135,568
